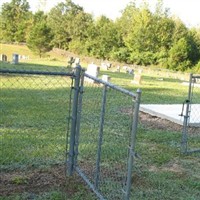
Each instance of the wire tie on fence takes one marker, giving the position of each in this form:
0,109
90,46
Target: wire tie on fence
133,153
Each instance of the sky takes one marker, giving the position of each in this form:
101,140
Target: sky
186,10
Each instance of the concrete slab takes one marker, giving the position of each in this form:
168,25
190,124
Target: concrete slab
172,112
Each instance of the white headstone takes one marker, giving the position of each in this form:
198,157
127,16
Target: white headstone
92,70
104,66
106,78
137,79
76,62
118,68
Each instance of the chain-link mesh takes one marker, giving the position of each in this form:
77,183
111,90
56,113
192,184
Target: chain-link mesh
193,139
104,140
161,172
34,118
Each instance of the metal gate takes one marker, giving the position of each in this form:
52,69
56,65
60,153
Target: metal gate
103,135
191,126
42,111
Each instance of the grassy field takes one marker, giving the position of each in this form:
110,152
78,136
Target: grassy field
33,127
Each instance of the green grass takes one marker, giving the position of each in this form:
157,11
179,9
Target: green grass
33,127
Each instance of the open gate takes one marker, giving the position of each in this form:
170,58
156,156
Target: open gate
191,126
103,135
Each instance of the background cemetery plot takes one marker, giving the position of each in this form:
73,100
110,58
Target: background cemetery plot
34,111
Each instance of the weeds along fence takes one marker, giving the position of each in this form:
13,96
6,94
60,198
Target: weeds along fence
73,119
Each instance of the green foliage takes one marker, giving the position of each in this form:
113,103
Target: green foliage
179,55
120,54
14,20
104,38
139,36
197,67
67,21
40,36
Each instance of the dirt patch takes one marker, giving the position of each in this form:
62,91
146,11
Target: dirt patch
153,122
36,181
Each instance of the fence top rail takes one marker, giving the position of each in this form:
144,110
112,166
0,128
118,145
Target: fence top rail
195,76
26,72
111,85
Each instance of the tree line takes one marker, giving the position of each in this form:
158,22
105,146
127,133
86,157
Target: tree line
139,36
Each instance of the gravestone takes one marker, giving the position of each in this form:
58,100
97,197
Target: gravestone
118,68
125,68
71,61
76,62
3,58
106,78
140,71
92,70
104,66
15,59
130,71
137,79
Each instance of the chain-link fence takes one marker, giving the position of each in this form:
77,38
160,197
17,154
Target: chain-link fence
191,125
161,170
34,110
105,137
40,108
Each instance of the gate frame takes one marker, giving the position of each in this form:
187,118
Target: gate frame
186,124
75,130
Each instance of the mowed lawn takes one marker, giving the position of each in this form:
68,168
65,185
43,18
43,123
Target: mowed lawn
34,114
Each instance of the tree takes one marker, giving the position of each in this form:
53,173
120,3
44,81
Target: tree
60,19
141,38
194,39
179,56
40,35
14,18
105,38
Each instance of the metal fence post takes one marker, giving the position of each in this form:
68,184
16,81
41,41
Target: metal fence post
74,120
103,106
132,143
186,120
78,122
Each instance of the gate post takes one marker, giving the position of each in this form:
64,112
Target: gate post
184,139
100,139
78,119
74,121
132,143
